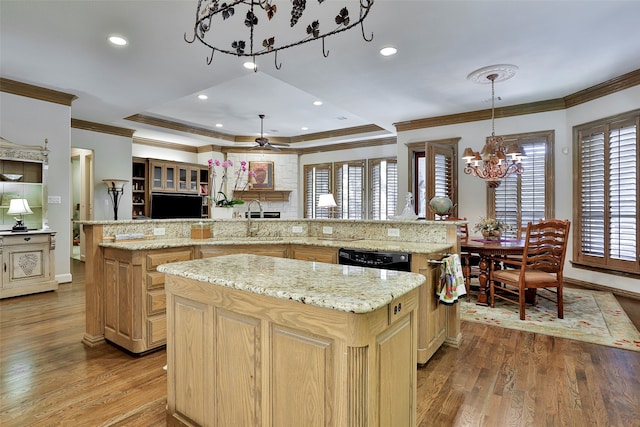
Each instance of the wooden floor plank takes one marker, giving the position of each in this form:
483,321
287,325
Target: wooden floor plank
498,377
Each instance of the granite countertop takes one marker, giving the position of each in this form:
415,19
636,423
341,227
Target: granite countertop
375,245
337,287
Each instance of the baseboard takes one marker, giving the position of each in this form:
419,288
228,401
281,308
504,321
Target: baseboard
64,278
597,287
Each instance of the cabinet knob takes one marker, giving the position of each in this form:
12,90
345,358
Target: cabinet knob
26,239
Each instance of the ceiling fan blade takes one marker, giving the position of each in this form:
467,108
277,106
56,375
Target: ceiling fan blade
272,147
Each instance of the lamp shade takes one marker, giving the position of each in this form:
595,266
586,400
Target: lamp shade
117,184
327,201
19,207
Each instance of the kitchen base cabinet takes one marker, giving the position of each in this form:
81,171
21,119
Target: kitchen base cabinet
432,315
242,359
28,263
134,296
280,251
314,253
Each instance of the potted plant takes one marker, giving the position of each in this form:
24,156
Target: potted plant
491,228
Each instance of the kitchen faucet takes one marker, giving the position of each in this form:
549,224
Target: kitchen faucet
251,231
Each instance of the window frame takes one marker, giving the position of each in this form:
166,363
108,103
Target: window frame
314,202
339,193
605,263
427,149
549,174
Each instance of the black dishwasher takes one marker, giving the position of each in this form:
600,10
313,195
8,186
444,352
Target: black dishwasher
399,261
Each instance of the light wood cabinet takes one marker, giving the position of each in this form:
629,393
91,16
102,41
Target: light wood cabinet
314,253
134,295
163,176
280,251
242,359
28,263
139,194
432,315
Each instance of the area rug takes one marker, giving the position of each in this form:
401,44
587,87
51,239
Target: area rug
590,316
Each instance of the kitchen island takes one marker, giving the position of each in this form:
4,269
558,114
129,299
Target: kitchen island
125,298
255,340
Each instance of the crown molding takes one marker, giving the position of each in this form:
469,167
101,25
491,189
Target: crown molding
356,130
349,145
169,124
614,85
36,92
594,92
475,116
99,127
167,145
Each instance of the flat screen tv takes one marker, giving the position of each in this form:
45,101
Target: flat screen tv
164,206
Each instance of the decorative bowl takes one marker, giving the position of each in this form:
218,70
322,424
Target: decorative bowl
11,176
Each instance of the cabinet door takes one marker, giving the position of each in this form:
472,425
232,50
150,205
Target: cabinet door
309,253
279,251
170,178
432,325
396,370
183,178
157,176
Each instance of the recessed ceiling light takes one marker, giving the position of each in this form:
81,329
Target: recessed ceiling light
218,125
117,40
388,51
203,96
250,65
304,128
317,103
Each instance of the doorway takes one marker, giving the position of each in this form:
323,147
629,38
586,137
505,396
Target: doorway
81,198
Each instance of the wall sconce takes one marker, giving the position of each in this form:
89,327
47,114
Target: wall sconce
327,201
115,189
19,207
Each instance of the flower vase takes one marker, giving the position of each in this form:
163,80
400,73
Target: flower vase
491,234
219,212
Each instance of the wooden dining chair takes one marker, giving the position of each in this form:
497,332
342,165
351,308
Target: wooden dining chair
470,261
541,265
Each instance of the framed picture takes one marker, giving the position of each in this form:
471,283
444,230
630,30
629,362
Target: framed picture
264,175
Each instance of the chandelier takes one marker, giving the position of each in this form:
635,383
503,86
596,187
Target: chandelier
246,28
495,161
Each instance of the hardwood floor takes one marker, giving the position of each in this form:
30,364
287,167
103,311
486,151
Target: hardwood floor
498,377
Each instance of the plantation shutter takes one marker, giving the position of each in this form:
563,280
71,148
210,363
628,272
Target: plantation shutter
520,199
350,190
384,188
440,181
592,172
317,181
623,192
608,193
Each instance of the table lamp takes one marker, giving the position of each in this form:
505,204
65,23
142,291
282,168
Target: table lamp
19,207
327,201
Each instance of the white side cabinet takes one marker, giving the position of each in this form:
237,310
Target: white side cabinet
27,263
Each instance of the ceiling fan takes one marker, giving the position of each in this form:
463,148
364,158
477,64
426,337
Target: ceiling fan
263,142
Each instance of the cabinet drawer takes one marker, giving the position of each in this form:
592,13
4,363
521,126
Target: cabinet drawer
156,302
402,305
24,239
155,259
156,331
155,280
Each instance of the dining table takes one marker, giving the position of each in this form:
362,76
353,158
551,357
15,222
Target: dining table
486,249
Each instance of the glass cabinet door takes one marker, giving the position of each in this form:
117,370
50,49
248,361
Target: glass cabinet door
182,179
193,180
170,178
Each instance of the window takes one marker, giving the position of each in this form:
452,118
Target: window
350,189
350,183
606,190
434,173
383,188
317,181
520,199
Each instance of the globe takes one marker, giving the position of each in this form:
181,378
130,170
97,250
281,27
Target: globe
441,205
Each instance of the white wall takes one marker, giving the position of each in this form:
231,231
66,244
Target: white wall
29,121
112,159
472,191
